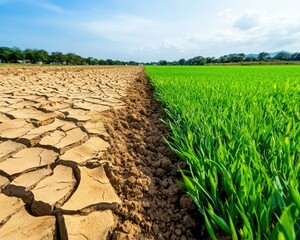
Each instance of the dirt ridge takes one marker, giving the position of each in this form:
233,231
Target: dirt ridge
144,171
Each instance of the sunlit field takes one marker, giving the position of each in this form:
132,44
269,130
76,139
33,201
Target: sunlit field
238,129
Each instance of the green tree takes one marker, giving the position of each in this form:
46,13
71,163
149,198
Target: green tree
223,59
199,60
162,62
57,57
236,57
283,56
41,56
29,55
102,62
132,63
110,62
263,56
74,59
92,61
210,60
5,52
15,55
182,62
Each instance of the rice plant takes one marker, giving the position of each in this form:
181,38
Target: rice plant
238,129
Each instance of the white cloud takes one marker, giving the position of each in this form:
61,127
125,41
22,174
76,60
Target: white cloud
142,38
248,20
248,32
168,30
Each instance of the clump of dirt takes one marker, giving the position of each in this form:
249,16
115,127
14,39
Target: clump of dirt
144,172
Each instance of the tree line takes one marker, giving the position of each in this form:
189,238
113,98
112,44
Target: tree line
40,56
234,58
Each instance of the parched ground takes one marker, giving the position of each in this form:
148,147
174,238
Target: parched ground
82,156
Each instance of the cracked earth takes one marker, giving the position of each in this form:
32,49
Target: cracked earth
82,156
52,137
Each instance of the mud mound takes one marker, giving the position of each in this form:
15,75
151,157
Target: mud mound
144,172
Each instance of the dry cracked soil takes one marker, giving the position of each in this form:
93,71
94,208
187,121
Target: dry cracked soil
82,156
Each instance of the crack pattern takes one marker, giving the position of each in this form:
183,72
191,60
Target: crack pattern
50,131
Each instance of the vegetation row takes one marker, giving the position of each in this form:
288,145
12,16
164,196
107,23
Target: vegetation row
16,55
35,56
238,129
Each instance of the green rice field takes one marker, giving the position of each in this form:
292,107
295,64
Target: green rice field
238,129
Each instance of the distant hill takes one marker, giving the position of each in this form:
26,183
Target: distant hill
273,54
283,51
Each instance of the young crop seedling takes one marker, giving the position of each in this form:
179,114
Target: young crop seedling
238,129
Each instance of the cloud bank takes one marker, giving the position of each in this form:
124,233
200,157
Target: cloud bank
150,31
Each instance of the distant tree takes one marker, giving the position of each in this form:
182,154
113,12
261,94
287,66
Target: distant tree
117,62
210,60
223,59
182,62
5,52
132,63
232,58
15,55
236,57
283,56
263,56
74,59
110,62
29,55
92,61
35,56
199,60
57,57
162,62
173,63
250,59
240,57
41,56
102,62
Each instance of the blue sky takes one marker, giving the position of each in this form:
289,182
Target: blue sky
151,30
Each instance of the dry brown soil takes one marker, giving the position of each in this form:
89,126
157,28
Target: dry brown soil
82,156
